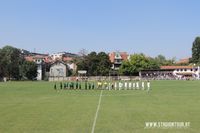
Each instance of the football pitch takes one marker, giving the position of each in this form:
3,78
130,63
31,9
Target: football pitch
35,107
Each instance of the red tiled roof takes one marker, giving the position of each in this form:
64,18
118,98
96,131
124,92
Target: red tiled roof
46,59
112,57
124,56
29,58
176,67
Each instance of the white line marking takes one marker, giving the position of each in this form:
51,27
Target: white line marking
96,115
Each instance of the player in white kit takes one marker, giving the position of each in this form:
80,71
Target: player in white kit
120,85
125,85
115,85
129,85
142,85
148,86
134,85
137,85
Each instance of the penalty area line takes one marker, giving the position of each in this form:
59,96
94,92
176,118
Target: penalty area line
96,115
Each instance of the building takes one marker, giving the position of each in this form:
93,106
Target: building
58,69
117,58
57,56
64,56
41,61
172,72
183,71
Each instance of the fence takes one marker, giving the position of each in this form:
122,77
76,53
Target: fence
94,78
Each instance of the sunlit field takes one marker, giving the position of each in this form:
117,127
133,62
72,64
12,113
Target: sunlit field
35,107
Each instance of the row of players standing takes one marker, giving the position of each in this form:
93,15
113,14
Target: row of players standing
127,85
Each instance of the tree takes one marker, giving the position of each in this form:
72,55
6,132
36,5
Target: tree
29,70
126,68
95,64
196,51
92,62
10,62
153,64
1,66
104,64
136,63
83,52
162,61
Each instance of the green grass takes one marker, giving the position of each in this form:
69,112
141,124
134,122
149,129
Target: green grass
35,107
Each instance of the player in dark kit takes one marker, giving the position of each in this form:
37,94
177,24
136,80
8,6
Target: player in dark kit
55,88
89,86
93,85
76,84
61,86
85,85
80,86
65,86
72,85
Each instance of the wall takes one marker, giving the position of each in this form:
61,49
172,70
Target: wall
57,70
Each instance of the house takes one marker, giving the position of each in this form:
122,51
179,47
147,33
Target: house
58,69
117,58
64,56
68,59
57,56
41,61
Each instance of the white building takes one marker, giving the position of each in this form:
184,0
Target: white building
39,60
172,72
56,56
184,71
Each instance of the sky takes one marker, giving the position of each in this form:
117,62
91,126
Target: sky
153,27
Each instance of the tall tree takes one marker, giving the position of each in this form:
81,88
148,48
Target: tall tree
11,60
95,64
29,70
126,68
104,64
92,61
162,61
136,63
1,66
196,50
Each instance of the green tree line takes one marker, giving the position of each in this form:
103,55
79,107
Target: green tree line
14,66
196,51
138,62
